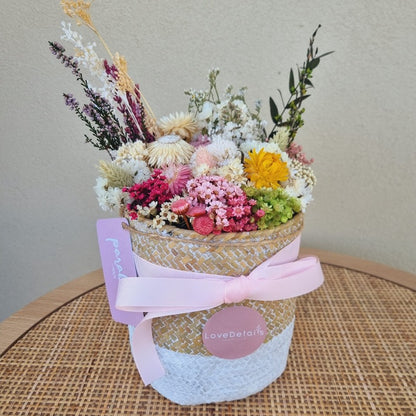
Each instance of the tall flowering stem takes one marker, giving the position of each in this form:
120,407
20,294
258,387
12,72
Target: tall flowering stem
79,10
298,94
133,113
98,114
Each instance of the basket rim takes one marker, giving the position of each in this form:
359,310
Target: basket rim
144,227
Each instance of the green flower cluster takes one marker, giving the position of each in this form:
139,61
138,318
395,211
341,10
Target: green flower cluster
277,205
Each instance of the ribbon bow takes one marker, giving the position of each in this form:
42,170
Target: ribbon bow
162,291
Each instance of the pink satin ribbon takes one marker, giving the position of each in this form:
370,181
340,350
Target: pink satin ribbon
162,291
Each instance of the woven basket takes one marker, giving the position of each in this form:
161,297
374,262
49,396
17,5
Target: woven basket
194,375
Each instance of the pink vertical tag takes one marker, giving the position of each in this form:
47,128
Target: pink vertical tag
234,332
117,262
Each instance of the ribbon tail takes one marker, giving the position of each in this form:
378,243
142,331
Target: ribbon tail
143,347
145,354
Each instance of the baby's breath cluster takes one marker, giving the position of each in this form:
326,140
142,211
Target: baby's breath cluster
213,168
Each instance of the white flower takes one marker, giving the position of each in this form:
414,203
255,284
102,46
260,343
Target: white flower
108,198
136,150
158,223
297,188
232,172
143,211
257,145
164,214
172,217
201,170
181,124
282,138
169,150
88,58
137,168
305,200
153,207
222,149
207,110
285,157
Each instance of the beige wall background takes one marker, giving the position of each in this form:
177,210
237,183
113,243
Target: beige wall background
359,123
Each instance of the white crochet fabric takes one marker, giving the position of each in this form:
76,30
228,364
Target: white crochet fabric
196,379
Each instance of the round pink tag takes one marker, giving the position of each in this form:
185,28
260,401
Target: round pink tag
234,332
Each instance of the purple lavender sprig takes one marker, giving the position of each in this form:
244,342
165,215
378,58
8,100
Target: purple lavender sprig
98,114
58,50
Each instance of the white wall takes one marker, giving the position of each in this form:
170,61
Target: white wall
360,121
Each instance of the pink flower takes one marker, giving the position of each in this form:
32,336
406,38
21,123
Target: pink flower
180,206
226,203
295,152
238,212
203,225
176,177
196,211
201,140
155,189
260,213
204,157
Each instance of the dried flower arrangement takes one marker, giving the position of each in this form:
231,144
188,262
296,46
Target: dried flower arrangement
213,203
216,158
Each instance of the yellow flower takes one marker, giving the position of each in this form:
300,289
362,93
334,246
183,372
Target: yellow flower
265,169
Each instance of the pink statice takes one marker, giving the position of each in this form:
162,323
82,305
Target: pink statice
226,203
295,151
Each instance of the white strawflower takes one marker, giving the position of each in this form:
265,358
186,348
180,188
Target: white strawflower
169,150
222,149
181,124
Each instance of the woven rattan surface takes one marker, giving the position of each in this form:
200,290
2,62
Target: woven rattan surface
353,353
